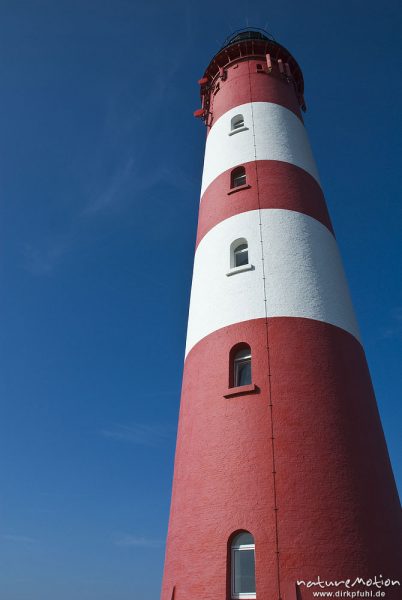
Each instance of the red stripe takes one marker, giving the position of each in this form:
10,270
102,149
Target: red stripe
244,84
336,500
281,185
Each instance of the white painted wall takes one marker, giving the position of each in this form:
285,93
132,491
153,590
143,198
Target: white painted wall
279,135
304,274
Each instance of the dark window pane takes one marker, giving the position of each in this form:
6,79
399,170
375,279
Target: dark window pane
244,572
238,177
239,180
243,353
237,121
241,258
243,373
243,538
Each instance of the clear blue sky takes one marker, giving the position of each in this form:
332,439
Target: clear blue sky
99,178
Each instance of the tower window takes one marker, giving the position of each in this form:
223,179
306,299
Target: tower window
240,255
238,177
259,67
242,563
242,366
237,122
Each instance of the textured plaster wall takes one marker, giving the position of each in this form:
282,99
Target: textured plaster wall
277,133
303,270
271,184
335,500
245,84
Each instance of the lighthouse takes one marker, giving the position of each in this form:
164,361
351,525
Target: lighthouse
282,482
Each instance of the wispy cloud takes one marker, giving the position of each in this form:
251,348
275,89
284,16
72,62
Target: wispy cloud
131,181
394,326
18,539
123,166
128,540
139,434
112,189
41,261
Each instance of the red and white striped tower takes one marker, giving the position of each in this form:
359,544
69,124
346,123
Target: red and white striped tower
280,457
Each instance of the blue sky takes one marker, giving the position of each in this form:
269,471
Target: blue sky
99,180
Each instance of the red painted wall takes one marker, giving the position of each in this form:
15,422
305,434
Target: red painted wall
336,500
244,84
280,185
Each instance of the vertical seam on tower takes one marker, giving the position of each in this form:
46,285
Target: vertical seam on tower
267,347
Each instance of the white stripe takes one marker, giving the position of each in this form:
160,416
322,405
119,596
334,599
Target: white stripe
303,268
279,135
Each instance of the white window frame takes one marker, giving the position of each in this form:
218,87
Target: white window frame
240,595
233,269
237,252
237,362
242,269
237,126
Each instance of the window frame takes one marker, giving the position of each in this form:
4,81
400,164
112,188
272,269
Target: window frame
238,251
233,269
236,122
235,174
237,126
233,550
235,244
238,362
233,389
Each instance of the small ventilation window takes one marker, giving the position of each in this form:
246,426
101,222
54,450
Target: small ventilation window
238,177
237,122
259,67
